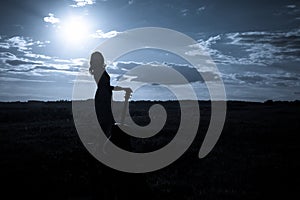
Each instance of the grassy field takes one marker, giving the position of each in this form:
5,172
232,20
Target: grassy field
257,155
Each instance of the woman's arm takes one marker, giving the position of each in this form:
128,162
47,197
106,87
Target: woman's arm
118,88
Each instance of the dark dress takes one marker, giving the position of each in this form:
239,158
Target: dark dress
103,99
118,185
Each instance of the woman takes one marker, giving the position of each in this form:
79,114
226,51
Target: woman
103,95
120,185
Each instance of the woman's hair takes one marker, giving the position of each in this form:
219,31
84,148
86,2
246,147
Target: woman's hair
96,62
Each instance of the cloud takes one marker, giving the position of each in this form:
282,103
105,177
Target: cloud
118,69
21,59
34,68
291,6
204,47
9,79
82,3
20,43
267,47
4,45
23,44
36,56
4,55
290,10
200,9
239,83
52,70
264,80
235,77
20,62
184,12
250,48
25,63
130,2
250,78
51,19
101,34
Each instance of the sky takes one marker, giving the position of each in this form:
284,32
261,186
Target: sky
44,45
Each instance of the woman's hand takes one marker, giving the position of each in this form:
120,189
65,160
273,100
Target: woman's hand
127,90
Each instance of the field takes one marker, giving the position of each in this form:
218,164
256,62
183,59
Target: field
257,155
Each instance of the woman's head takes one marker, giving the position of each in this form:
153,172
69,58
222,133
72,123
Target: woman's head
96,62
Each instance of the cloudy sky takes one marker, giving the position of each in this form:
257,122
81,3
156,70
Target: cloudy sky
254,44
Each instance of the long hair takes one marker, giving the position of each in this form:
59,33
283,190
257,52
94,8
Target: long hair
96,63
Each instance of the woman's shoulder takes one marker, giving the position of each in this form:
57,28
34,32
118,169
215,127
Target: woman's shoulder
105,73
105,79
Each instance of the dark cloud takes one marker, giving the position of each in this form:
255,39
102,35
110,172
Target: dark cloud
285,40
20,62
253,48
250,78
151,72
276,48
4,55
42,69
29,69
287,78
256,79
191,73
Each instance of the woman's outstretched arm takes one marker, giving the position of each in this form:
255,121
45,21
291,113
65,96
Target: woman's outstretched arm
118,88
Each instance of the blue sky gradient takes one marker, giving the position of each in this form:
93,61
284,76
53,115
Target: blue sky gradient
255,44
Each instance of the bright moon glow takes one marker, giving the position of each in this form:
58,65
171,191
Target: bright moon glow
75,30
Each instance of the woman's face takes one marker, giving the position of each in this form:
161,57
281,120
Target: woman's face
97,62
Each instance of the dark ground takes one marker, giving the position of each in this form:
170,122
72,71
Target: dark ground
256,157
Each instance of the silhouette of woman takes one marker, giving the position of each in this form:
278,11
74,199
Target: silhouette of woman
103,94
119,184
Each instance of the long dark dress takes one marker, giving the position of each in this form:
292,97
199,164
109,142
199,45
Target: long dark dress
103,99
119,185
